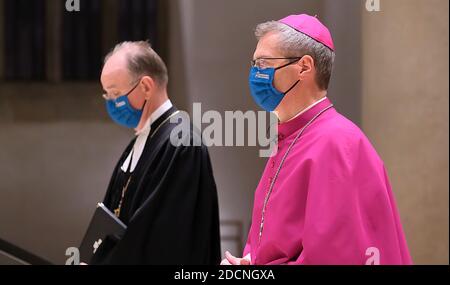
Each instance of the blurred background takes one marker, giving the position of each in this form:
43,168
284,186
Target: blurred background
58,146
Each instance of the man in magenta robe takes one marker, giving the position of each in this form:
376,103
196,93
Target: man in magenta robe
324,196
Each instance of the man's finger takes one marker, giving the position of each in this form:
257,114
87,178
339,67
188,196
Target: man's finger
245,261
225,262
232,259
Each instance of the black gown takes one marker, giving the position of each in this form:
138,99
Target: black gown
170,206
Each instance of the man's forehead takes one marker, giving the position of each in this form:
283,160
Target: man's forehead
111,73
114,71
268,46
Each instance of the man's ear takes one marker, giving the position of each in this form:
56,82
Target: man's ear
148,86
306,65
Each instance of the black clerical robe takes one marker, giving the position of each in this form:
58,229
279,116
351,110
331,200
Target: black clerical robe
170,206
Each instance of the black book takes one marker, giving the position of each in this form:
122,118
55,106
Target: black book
103,223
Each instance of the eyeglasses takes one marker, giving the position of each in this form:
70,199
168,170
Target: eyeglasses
108,96
262,61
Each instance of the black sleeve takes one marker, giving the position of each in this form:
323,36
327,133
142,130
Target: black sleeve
178,220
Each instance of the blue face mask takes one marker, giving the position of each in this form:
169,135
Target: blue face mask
121,111
262,89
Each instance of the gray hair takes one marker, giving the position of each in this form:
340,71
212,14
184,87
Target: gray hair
142,60
294,43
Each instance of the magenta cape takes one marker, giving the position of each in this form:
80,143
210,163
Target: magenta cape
332,202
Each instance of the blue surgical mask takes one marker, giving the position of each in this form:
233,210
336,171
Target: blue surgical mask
262,89
121,111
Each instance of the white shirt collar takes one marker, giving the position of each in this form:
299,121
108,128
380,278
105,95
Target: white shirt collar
307,108
155,116
142,136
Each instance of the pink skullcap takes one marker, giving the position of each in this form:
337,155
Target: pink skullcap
310,26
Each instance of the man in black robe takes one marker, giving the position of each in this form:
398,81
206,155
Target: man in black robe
163,191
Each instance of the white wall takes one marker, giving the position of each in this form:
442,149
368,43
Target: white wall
405,113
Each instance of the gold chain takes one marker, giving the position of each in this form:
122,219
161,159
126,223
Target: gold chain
272,183
125,188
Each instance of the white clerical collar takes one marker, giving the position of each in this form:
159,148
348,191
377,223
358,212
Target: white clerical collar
154,116
308,108
142,136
